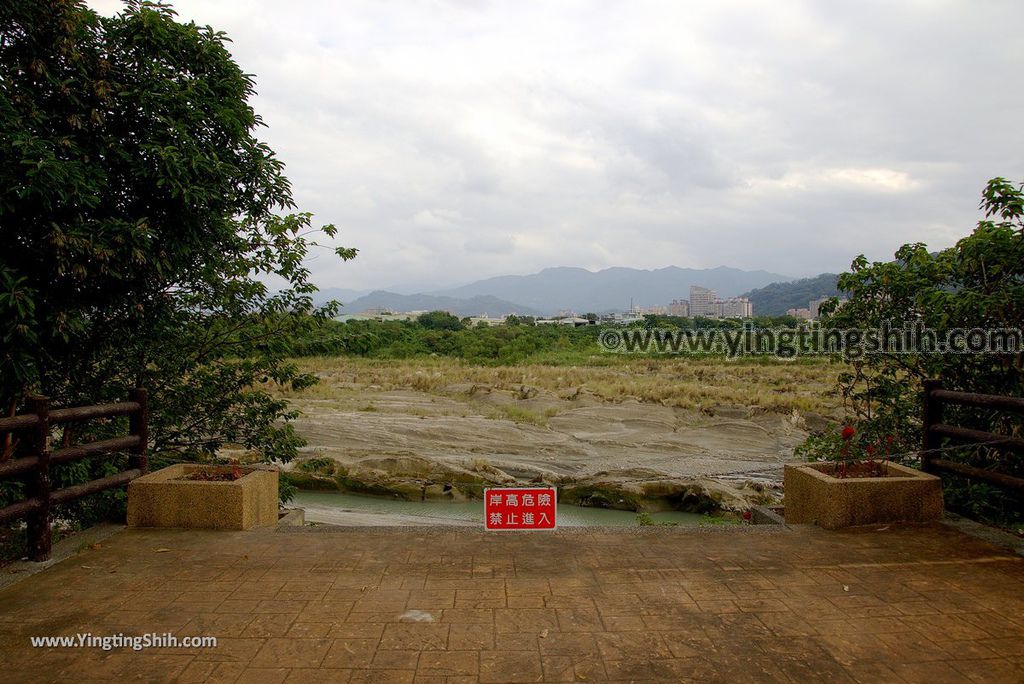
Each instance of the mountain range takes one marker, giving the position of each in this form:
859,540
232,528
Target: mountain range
611,289
564,288
468,306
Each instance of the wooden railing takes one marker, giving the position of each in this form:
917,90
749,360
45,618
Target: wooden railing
34,466
935,399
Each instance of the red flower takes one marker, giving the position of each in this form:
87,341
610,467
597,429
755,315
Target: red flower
848,433
870,449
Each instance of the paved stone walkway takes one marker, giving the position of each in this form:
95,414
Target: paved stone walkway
447,605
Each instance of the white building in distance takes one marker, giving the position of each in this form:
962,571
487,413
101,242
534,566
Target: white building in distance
679,307
734,307
702,301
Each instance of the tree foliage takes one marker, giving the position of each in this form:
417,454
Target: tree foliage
140,220
520,340
439,320
977,283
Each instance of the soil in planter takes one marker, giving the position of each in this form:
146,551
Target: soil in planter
213,476
857,469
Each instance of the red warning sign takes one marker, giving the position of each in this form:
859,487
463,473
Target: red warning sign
520,509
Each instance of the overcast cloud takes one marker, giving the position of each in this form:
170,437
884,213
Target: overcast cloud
451,141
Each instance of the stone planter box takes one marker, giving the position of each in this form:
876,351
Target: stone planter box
162,499
906,495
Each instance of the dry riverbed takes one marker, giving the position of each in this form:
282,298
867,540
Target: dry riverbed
640,435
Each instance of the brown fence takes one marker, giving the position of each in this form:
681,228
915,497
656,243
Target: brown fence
34,467
935,399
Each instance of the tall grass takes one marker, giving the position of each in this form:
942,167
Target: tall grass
806,385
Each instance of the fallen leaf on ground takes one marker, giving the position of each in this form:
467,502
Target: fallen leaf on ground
160,550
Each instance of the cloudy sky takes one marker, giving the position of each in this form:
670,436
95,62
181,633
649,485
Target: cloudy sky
451,141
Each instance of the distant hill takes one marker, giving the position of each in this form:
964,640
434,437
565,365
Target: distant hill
471,306
777,298
611,289
340,294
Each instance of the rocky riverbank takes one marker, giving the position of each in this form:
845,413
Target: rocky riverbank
453,441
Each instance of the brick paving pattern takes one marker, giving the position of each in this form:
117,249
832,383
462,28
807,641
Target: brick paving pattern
351,605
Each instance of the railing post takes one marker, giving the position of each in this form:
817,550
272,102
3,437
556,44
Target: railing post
931,415
138,424
39,482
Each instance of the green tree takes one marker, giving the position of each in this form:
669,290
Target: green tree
977,283
785,321
139,220
440,320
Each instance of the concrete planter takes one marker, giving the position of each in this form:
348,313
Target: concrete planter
163,499
906,495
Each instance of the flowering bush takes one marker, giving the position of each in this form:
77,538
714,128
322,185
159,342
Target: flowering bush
852,455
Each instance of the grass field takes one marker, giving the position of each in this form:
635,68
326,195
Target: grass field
806,385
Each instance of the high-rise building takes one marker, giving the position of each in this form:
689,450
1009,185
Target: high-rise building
705,302
735,307
679,307
702,301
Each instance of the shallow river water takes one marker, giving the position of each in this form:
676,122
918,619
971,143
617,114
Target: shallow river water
345,508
